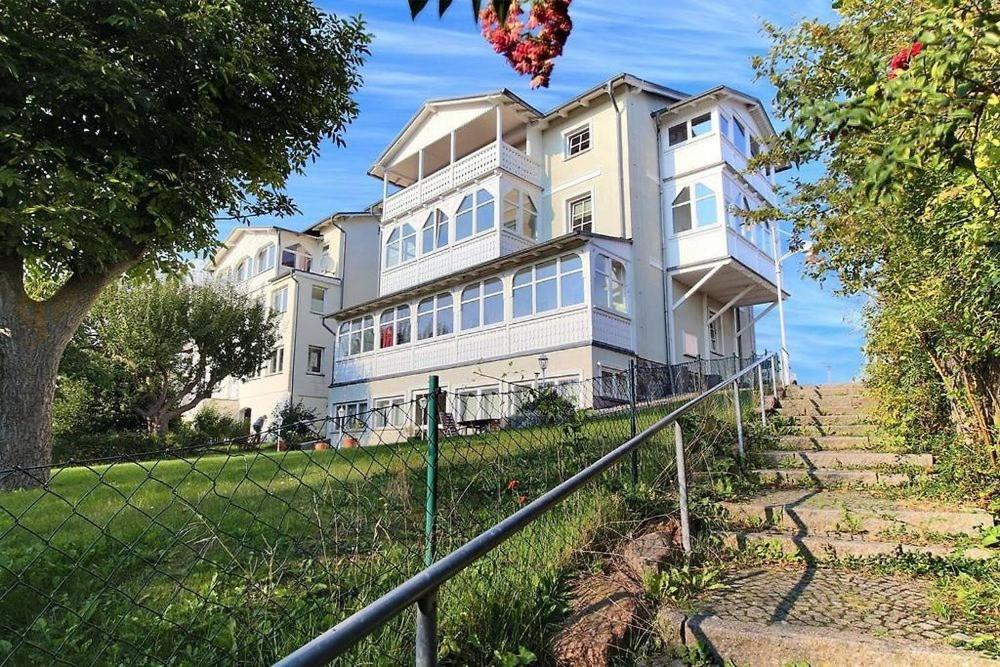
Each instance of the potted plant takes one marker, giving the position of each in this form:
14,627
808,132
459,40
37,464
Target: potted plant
295,424
322,445
352,428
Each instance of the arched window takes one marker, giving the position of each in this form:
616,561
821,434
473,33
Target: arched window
243,269
394,327
361,335
520,214
408,243
434,234
482,304
699,213
392,249
265,258
435,316
554,284
609,284
463,219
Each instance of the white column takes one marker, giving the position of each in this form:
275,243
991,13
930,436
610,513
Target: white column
385,187
420,172
451,159
499,114
775,249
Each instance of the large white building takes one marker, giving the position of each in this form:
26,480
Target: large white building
301,276
601,231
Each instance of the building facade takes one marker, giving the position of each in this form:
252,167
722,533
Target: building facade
300,276
605,230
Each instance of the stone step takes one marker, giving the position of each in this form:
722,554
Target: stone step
820,430
844,459
827,477
823,442
815,511
800,407
835,546
822,390
821,616
828,420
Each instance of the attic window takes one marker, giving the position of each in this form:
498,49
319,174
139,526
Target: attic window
689,129
578,141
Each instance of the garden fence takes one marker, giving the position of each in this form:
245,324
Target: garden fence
236,553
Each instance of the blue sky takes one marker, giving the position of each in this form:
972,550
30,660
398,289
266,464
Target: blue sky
689,45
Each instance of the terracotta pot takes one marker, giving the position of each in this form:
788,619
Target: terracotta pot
282,445
322,446
349,442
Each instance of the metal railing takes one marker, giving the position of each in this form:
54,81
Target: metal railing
421,589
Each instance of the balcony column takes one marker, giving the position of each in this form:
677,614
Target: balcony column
385,186
499,114
451,160
420,172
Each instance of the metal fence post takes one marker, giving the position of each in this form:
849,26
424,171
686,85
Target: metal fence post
739,417
774,379
682,489
634,421
426,640
760,389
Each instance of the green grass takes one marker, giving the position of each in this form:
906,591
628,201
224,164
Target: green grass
241,558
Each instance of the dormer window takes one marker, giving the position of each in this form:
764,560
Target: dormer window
689,129
434,234
577,141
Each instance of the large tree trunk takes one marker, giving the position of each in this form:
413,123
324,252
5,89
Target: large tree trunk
33,337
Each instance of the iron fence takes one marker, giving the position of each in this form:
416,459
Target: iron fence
238,553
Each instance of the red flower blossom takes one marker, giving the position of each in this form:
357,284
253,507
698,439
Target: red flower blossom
901,61
522,499
512,484
530,48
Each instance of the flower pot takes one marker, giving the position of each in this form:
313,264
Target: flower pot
349,442
322,446
282,445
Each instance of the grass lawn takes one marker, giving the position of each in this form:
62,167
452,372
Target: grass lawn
242,558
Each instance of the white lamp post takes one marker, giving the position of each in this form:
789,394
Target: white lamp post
543,363
778,259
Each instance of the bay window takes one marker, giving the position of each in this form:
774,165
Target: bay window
554,284
434,234
356,336
688,214
520,214
435,317
482,304
394,327
609,284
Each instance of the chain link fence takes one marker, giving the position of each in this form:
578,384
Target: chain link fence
238,553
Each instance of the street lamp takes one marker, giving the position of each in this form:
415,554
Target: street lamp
543,363
778,259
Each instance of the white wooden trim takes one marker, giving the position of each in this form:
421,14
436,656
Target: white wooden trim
697,286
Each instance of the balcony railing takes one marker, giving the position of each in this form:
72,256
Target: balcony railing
484,161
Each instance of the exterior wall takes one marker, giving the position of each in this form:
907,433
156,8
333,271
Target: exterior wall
692,337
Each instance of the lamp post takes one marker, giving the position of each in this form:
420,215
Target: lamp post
543,363
778,259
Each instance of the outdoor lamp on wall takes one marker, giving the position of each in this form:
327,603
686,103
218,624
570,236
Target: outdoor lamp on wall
543,363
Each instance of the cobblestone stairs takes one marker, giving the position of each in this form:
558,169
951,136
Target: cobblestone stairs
822,502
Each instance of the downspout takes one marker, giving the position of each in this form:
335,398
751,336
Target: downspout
333,357
295,343
621,159
343,263
663,242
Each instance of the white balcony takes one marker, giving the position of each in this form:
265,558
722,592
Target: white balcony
487,160
524,336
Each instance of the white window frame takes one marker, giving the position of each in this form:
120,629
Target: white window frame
606,281
480,301
714,334
267,254
573,201
434,221
347,332
571,133
532,286
497,411
394,323
276,361
387,412
689,129
312,299
244,270
348,410
281,292
475,206
309,359
693,199
519,226
436,310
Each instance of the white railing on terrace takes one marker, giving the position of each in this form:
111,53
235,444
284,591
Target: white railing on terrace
472,166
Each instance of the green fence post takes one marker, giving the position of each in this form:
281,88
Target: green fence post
634,423
426,639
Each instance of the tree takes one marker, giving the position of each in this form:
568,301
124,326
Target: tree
176,342
899,102
124,127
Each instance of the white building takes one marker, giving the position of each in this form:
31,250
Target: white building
598,232
301,276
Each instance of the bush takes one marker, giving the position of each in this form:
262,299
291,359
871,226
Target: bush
87,446
296,422
546,407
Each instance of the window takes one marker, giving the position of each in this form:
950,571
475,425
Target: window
689,129
484,210
724,125
279,300
481,403
276,362
394,327
581,214
388,412
701,214
482,304
350,415
315,360
435,317
401,246
740,135
548,286
317,302
754,146
296,257
434,234
243,269
356,336
265,258
463,219
609,284
713,332
520,214
577,141
475,216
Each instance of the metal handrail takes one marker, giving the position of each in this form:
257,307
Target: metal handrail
422,587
